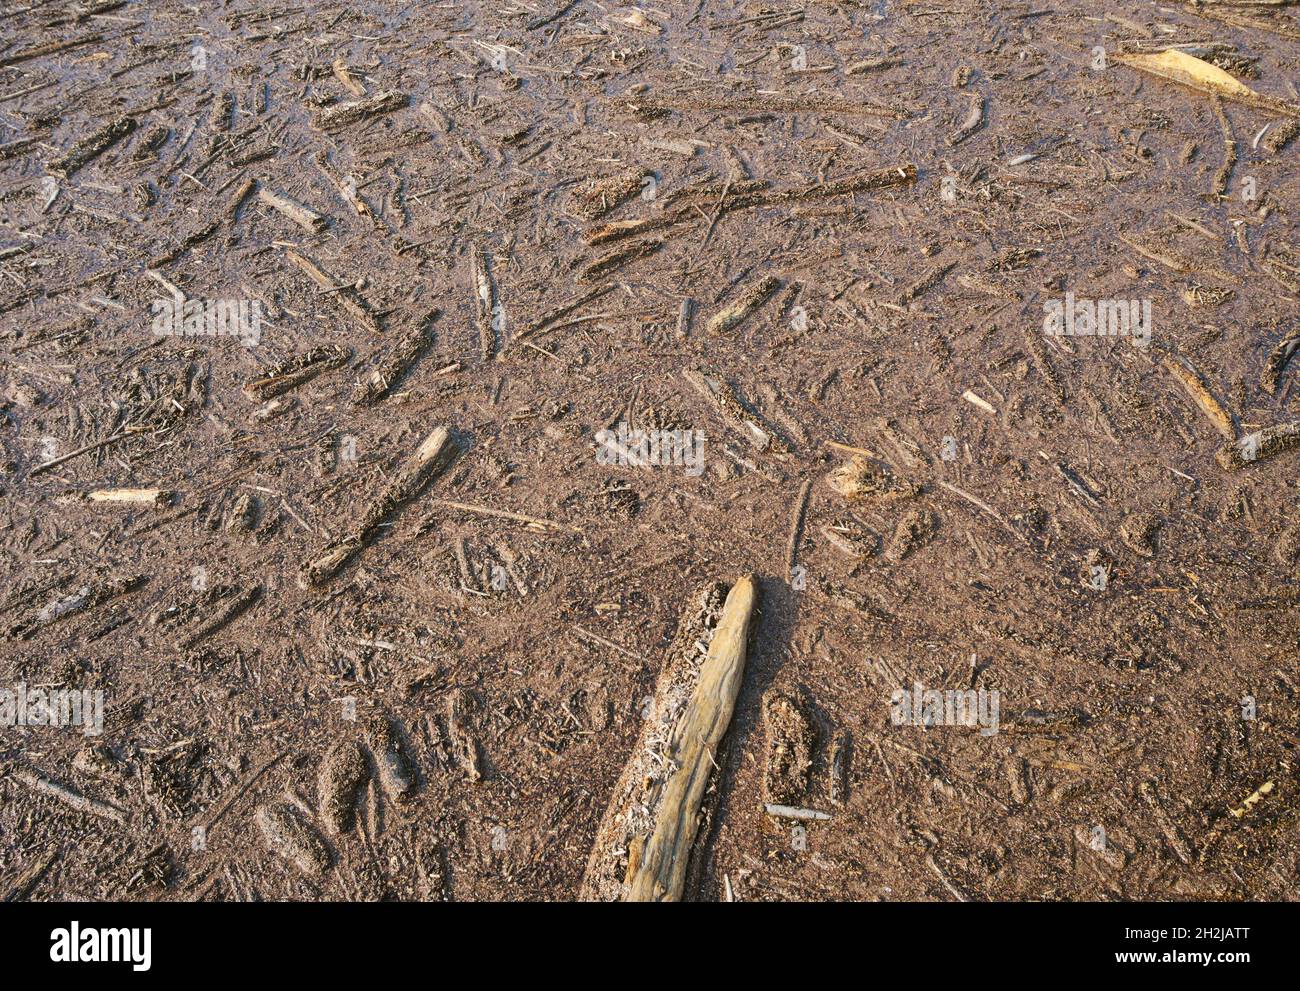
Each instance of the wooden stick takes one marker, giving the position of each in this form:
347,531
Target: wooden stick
796,529
1200,394
347,297
532,521
84,449
306,218
72,799
293,372
158,497
432,456
733,412
978,504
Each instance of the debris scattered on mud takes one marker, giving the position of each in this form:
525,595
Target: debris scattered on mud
382,388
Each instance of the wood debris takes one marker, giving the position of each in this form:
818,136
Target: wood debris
790,742
973,122
735,314
350,113
395,363
862,479
232,607
732,412
430,458
91,147
1277,361
1195,387
306,218
392,766
293,372
1259,446
86,597
70,797
643,846
1188,70
345,294
485,304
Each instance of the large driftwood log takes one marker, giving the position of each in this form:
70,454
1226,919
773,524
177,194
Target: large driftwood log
643,848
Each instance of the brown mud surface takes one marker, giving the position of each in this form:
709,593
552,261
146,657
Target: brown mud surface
344,655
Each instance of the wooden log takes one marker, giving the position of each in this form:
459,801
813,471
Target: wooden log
644,844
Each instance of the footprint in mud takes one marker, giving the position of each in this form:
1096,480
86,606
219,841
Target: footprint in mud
342,774
1139,532
916,529
790,741
288,833
392,767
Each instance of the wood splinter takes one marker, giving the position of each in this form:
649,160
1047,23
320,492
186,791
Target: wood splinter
155,497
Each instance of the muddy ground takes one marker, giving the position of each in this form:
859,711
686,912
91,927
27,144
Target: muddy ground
411,203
